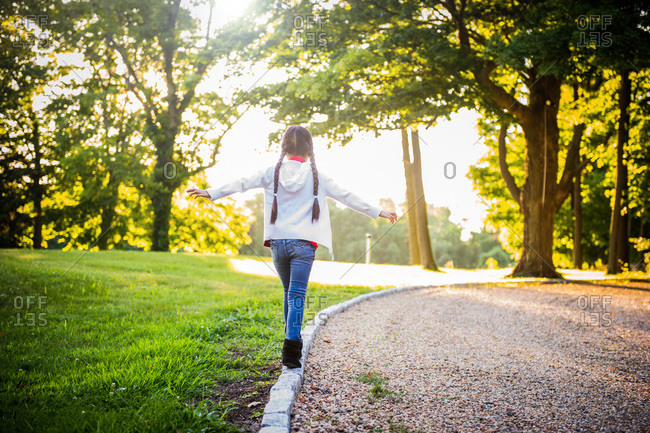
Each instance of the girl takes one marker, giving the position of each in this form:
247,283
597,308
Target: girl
294,226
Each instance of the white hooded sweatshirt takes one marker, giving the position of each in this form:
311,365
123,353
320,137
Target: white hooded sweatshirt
295,201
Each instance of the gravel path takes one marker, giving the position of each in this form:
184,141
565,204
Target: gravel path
481,358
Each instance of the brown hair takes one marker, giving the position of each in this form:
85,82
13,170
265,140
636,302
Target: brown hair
296,140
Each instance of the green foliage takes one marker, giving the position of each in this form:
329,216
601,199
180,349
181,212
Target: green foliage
203,226
156,127
387,65
98,197
597,108
116,139
28,152
361,77
74,225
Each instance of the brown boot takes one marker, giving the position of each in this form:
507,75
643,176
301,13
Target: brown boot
291,353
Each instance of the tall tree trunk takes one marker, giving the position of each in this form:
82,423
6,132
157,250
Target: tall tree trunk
537,257
426,253
108,214
577,221
539,193
162,205
542,194
108,211
414,245
576,204
616,222
163,184
37,188
641,264
164,181
624,226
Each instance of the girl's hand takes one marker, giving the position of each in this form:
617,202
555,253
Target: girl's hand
392,216
195,192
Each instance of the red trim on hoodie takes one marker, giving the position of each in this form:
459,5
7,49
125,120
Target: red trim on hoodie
267,243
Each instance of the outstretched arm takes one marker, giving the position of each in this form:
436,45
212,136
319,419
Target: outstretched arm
392,216
353,201
258,180
196,192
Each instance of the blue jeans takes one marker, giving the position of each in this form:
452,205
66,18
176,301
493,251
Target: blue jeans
293,259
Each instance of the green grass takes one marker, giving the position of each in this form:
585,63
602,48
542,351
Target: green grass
378,390
371,378
400,428
135,341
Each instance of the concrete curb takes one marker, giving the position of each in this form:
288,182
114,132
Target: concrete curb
277,412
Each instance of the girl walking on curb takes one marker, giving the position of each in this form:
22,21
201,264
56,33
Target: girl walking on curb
294,226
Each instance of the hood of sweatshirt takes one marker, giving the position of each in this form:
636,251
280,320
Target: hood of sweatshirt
294,175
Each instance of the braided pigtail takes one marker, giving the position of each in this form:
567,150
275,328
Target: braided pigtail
276,179
315,210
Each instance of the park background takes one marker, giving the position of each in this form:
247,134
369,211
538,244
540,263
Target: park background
94,158
503,133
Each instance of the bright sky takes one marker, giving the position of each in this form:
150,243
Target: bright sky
370,167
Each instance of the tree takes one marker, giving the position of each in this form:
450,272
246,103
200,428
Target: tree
27,150
336,107
508,60
420,209
595,107
618,239
414,245
576,204
163,55
639,171
95,199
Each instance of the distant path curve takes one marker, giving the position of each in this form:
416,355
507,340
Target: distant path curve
328,272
